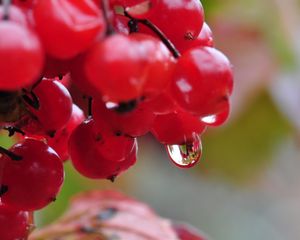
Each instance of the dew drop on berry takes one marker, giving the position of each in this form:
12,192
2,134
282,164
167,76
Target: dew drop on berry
186,155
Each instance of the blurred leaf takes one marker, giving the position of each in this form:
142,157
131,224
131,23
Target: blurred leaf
111,215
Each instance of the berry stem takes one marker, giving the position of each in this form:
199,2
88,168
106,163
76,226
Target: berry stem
158,32
105,9
12,130
6,5
90,101
33,100
13,156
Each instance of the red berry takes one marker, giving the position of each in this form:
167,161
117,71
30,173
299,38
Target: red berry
202,81
68,27
176,128
21,56
135,123
60,141
122,67
97,153
13,224
55,105
178,20
217,119
34,181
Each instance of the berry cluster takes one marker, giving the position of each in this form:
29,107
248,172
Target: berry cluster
142,66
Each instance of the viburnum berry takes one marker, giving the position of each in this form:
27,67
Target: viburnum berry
32,181
99,153
177,127
134,123
60,140
21,56
68,27
217,119
165,14
202,81
141,62
13,224
54,105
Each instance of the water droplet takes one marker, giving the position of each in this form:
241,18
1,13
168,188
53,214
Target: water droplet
186,155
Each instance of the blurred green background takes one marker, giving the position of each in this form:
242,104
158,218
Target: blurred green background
247,184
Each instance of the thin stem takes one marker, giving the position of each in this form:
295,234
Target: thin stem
10,154
90,101
6,5
33,100
105,9
158,32
13,130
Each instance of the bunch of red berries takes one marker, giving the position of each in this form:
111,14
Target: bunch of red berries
143,66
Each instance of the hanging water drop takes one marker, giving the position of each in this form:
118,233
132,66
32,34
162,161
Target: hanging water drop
186,155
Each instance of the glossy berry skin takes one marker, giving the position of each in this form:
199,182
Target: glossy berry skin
217,119
135,123
121,66
176,128
165,14
21,56
97,153
13,224
55,105
205,39
202,81
60,141
68,27
34,181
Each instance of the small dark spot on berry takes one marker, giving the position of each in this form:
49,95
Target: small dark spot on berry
118,133
188,36
53,199
112,178
125,107
51,134
3,190
98,137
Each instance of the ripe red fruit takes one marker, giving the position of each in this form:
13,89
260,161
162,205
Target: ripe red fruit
68,27
97,153
176,128
60,141
13,224
34,181
135,123
122,67
166,14
55,105
202,81
21,56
